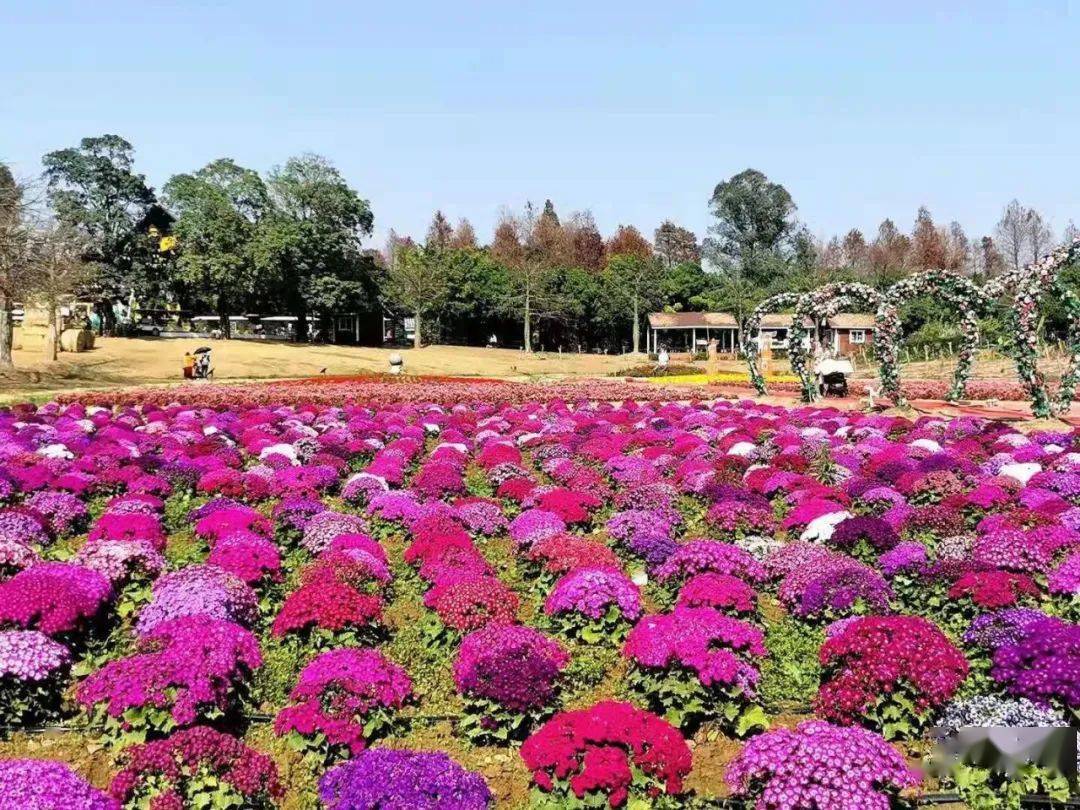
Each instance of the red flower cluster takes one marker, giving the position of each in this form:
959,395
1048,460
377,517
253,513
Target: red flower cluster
167,771
876,656
566,552
472,603
598,748
328,605
993,589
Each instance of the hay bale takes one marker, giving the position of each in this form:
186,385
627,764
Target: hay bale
76,340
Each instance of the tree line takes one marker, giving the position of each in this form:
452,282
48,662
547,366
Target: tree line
228,240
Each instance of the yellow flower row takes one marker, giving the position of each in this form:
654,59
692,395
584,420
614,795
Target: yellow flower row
714,379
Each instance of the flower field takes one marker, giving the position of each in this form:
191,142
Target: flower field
442,594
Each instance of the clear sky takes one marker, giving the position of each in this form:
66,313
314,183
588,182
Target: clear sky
634,110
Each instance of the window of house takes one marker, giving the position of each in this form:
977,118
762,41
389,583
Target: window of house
857,336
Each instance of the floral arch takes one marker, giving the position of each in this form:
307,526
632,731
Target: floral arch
775,303
1028,287
824,302
968,300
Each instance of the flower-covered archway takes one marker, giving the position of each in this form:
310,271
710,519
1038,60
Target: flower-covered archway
823,303
1028,286
965,298
751,346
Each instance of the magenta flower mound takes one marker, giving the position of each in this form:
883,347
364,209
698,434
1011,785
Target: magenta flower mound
720,650
534,525
129,526
15,556
720,591
517,667
835,586
24,525
702,556
336,693
875,658
1065,579
41,784
1042,664
247,556
876,533
403,780
27,655
188,665
608,751
818,765
199,590
53,597
171,774
64,511
589,591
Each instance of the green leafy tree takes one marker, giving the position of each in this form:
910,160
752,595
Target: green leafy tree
308,241
219,209
755,222
94,188
638,282
675,245
14,255
477,286
417,284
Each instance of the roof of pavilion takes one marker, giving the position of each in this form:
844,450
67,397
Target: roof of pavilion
692,320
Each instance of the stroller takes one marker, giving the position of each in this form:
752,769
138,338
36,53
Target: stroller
197,365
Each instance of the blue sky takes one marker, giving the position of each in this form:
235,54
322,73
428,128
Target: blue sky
633,110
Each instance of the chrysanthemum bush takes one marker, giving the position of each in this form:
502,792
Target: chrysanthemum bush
891,673
184,670
397,780
509,675
41,783
196,767
342,699
607,754
818,765
594,604
695,664
33,674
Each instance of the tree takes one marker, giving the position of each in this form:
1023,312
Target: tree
14,255
439,233
1012,234
628,241
755,220
58,271
464,236
928,245
307,239
586,243
991,262
675,245
959,256
635,279
416,283
1071,233
1039,236
93,188
889,251
527,247
855,250
218,210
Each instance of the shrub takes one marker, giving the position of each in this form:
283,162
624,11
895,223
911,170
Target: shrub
41,784
611,751
593,604
53,597
818,765
343,698
890,672
33,672
403,780
197,767
695,663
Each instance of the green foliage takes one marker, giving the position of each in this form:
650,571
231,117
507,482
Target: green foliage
27,704
982,789
677,695
790,674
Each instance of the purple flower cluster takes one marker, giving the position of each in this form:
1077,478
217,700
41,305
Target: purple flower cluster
41,784
515,666
403,780
818,765
1042,664
710,556
27,655
590,591
199,590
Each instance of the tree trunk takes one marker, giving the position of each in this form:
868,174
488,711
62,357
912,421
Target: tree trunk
51,335
528,323
416,340
6,336
637,328
223,318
